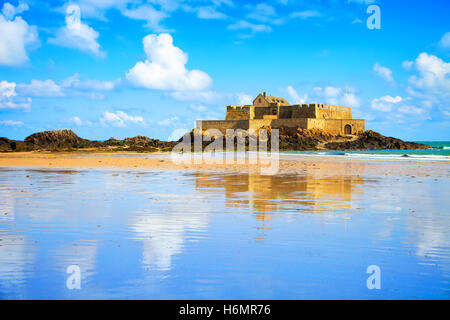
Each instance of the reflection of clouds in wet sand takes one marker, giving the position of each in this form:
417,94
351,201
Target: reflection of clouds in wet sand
164,234
80,253
15,260
6,204
430,225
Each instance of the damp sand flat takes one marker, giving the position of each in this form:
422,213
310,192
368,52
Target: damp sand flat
193,234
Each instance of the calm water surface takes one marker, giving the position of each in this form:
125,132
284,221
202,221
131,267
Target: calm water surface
173,235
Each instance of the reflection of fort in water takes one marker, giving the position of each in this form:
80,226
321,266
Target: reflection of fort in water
266,195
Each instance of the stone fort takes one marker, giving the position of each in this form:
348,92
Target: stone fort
277,112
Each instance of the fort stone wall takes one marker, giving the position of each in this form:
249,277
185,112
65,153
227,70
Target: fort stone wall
325,111
223,125
239,113
303,111
337,126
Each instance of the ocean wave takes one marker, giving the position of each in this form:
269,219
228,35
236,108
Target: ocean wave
373,156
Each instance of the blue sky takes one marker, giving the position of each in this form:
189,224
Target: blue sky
120,68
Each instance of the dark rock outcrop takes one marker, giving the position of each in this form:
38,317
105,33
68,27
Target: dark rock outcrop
57,139
371,140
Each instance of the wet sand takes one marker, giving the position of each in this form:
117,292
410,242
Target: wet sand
162,161
138,225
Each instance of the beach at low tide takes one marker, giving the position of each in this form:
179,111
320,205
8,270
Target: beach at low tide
141,226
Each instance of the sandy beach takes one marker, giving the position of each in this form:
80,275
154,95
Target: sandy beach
286,164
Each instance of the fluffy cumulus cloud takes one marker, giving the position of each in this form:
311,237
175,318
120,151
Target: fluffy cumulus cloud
385,104
430,83
120,119
16,36
9,99
384,72
433,74
76,34
165,67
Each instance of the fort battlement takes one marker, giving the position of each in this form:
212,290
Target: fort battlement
276,112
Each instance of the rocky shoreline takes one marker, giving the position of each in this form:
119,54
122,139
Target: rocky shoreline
290,139
67,140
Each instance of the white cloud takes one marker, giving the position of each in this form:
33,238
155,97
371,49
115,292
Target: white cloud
362,1
177,134
74,82
200,96
337,96
97,8
78,122
152,16
165,67
210,13
261,12
9,11
9,99
198,108
411,110
244,99
430,85
254,28
407,65
206,12
357,21
72,86
434,74
383,72
305,14
15,36
168,122
120,119
11,123
295,98
445,41
385,104
39,88
75,34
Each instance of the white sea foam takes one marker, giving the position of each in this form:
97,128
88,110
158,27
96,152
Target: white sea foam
371,156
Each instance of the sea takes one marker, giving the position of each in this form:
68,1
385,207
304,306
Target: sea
441,152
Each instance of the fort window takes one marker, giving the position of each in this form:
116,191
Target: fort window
259,100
